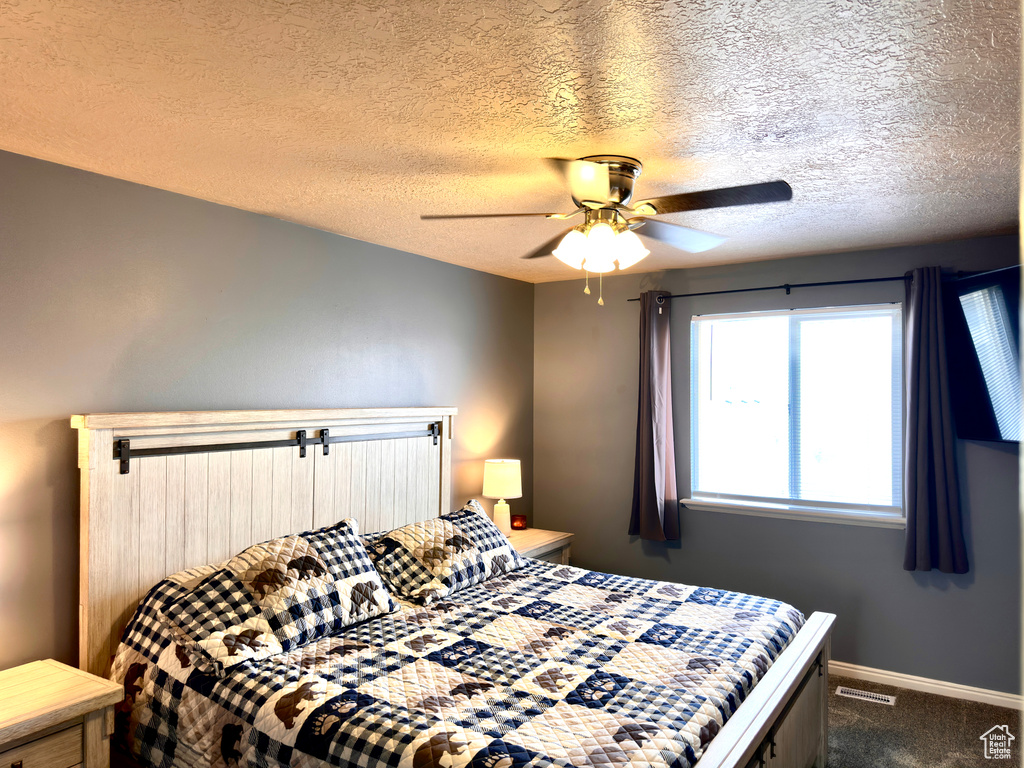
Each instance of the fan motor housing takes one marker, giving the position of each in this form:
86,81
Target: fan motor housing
622,173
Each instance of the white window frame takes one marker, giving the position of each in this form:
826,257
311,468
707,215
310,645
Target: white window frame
829,511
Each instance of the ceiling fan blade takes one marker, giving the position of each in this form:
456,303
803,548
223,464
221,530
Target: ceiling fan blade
683,238
547,248
587,181
486,215
749,194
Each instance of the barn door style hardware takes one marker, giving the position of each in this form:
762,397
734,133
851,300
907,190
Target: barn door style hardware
124,453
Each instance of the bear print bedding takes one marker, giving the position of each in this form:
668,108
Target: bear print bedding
548,665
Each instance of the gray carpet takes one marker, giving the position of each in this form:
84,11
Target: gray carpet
921,731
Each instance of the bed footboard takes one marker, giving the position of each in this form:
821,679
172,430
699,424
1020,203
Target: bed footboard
784,721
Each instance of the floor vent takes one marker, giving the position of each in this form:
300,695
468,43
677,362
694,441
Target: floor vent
854,693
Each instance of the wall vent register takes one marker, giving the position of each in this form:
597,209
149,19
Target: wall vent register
856,693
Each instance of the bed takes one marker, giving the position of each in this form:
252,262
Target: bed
543,665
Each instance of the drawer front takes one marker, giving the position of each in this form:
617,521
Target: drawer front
555,556
58,750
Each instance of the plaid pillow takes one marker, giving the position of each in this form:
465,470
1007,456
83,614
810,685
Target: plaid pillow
278,596
427,561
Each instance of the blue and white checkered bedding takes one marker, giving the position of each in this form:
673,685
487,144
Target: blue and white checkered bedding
549,665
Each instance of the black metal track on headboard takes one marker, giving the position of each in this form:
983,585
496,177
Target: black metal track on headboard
124,453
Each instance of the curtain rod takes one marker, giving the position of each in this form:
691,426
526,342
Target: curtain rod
789,286
969,275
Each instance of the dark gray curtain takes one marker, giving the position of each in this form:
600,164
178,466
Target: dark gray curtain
655,513
930,489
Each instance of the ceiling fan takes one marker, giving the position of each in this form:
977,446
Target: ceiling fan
601,186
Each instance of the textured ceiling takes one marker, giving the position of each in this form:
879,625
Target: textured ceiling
895,121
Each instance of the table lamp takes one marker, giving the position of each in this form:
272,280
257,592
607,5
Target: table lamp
502,480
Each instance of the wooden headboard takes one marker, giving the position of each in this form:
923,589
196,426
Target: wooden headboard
161,492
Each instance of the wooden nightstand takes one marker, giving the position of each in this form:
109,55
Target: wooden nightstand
55,716
550,546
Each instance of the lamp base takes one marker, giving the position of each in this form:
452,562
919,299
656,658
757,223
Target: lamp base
501,517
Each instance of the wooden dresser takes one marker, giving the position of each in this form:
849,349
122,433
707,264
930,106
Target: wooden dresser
55,716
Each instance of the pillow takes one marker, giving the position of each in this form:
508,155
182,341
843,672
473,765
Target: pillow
278,596
427,561
369,539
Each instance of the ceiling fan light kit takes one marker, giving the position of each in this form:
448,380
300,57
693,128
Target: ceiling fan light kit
601,186
599,246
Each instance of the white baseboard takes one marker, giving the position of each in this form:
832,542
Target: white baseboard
926,685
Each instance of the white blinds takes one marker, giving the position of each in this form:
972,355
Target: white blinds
988,321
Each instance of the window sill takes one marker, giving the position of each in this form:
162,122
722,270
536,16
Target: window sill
872,519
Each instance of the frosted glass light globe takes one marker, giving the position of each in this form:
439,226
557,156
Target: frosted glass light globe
600,248
629,249
572,250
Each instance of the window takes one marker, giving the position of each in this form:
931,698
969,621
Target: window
798,413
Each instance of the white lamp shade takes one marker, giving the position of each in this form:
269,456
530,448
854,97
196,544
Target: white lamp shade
572,249
600,248
502,479
629,249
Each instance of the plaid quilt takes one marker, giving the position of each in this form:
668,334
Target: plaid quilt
548,665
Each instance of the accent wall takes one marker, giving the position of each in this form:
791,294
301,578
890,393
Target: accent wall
959,629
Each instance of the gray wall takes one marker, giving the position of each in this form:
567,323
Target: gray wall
118,297
960,629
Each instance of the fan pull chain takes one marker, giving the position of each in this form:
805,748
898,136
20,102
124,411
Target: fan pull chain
600,290
586,288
